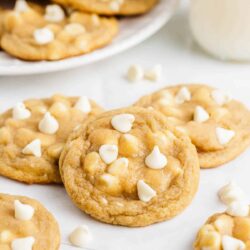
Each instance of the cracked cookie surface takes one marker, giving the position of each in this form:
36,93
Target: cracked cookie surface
111,7
29,148
50,34
42,227
130,167
218,126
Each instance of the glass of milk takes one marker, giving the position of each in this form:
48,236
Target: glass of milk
222,27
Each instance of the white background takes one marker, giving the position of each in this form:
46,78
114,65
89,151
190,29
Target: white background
183,61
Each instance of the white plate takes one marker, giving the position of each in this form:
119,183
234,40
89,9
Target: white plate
133,31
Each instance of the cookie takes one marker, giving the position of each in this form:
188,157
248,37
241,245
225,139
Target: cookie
33,133
130,167
50,34
2,14
218,126
111,7
26,224
223,231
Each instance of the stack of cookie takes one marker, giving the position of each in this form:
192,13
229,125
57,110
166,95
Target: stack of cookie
133,166
53,32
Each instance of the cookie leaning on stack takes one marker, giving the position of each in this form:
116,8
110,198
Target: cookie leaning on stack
218,126
130,167
33,133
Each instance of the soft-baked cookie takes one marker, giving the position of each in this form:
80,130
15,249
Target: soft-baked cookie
223,231
50,34
26,224
2,14
110,7
130,167
218,126
33,133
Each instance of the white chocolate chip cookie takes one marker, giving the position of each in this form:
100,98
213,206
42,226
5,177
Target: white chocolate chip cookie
33,134
218,126
130,167
224,232
26,224
49,34
111,7
2,13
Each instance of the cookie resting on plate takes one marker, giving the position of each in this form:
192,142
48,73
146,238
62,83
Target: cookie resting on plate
130,167
224,231
2,14
218,126
51,34
110,7
33,133
26,224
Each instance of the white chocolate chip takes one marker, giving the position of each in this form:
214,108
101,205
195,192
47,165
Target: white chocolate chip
156,160
224,135
20,112
23,211
145,192
43,36
181,129
21,6
75,29
82,44
5,236
164,102
230,193
103,200
154,74
118,166
166,99
83,105
108,153
238,208
109,180
200,114
48,125
54,13
231,243
33,148
119,204
220,97
221,224
115,5
81,236
95,19
135,73
183,95
23,243
123,122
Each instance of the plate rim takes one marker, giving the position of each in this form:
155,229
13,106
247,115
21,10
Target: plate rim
74,62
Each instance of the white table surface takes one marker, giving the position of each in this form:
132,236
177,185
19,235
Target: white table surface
183,61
